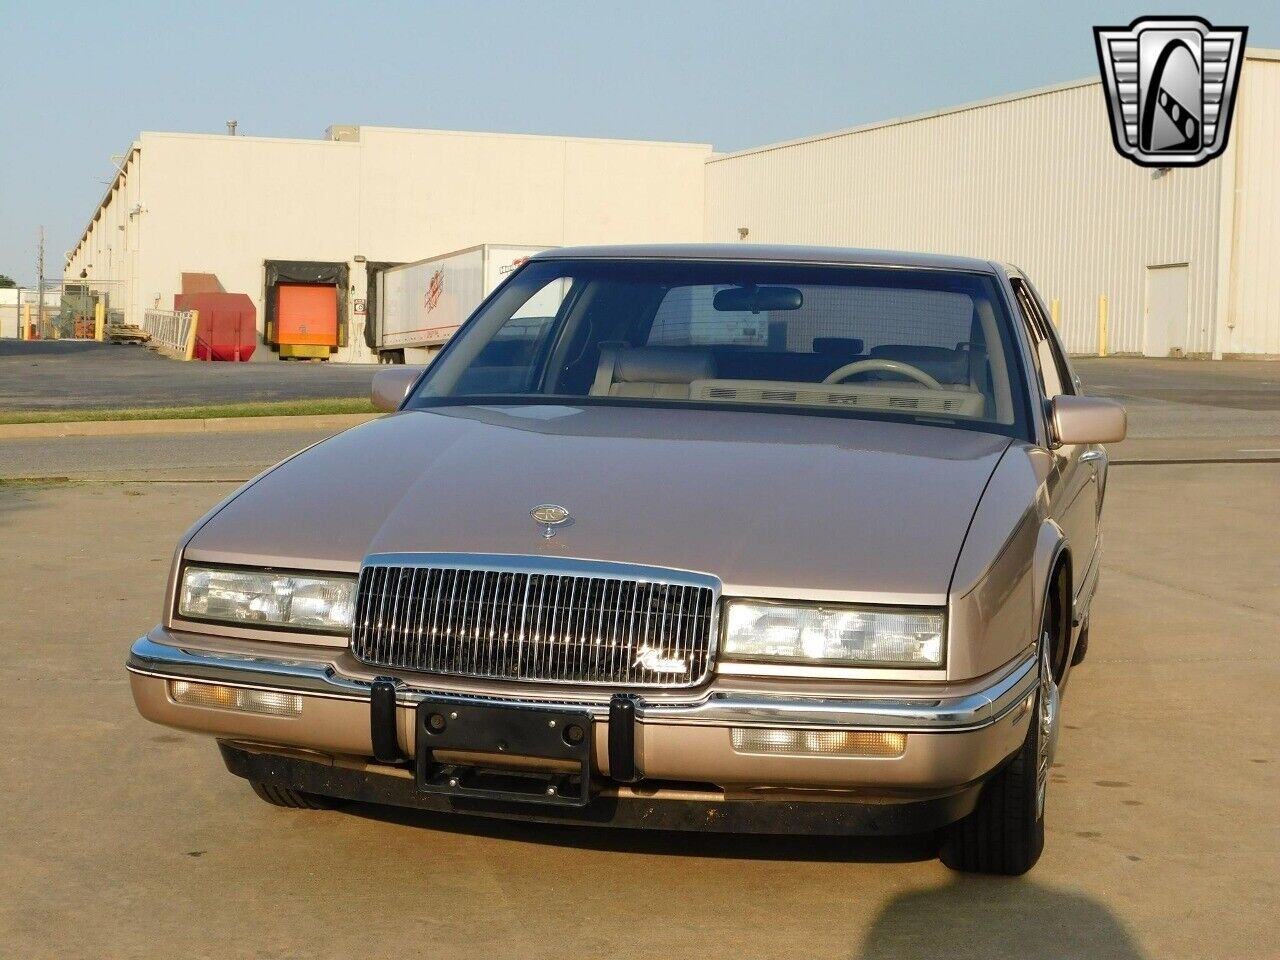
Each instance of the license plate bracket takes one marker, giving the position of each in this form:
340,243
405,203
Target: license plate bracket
504,730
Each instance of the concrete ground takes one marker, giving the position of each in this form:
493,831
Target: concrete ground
81,375
180,456
125,839
1228,408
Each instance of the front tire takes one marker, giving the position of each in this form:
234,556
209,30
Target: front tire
279,796
1005,833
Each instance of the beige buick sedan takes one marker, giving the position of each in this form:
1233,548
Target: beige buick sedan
737,538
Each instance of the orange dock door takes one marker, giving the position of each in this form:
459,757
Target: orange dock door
307,314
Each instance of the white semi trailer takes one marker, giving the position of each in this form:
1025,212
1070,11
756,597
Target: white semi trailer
420,305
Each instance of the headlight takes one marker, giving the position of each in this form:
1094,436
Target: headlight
833,635
323,604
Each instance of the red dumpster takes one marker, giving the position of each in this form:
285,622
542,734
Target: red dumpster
228,325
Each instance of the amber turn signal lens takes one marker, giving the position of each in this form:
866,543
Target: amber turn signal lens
268,703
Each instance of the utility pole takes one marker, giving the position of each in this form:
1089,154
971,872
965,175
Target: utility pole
40,284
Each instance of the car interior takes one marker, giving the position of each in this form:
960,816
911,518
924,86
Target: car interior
774,345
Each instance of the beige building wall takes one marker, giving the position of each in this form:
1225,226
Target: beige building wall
223,205
109,252
1032,179
469,188
1251,321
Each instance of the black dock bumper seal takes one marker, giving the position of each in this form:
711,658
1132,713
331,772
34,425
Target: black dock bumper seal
622,738
382,721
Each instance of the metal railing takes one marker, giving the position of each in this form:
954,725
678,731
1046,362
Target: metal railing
172,331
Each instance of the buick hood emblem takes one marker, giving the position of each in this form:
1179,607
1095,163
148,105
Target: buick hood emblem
550,515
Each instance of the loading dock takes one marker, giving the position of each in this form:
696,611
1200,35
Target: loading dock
306,307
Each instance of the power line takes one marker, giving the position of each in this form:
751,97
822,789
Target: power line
40,283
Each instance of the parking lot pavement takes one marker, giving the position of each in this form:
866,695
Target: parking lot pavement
82,375
173,456
1234,403
125,839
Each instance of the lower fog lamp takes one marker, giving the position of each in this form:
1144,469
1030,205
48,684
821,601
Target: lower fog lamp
874,744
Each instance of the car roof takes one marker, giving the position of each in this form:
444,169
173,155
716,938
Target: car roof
768,253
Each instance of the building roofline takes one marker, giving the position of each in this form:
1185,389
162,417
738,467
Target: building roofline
1251,53
134,148
249,138
631,141
911,118
321,141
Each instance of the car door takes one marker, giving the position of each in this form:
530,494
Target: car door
1076,477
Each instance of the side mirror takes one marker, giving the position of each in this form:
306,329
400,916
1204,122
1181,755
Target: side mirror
1075,420
391,386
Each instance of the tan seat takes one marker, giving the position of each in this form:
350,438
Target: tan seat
659,372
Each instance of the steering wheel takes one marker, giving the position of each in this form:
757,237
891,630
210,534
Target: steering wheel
891,366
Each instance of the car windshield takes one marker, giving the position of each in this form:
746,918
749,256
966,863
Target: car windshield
874,342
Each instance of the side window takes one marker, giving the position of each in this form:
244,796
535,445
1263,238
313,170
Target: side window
516,342
1070,382
1055,375
507,362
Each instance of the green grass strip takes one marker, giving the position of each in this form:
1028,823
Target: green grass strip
269,408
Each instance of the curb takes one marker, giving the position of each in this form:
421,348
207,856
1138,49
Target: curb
110,428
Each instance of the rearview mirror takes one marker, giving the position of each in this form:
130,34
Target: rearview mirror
390,387
1077,420
757,299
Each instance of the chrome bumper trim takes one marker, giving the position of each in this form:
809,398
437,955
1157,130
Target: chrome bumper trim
946,714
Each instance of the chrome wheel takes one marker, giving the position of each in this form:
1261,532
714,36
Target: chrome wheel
1046,724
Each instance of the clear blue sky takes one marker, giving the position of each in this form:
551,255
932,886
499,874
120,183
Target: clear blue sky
78,81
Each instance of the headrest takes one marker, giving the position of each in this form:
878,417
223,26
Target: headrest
843,346
662,365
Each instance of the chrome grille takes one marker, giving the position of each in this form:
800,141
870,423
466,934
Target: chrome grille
506,618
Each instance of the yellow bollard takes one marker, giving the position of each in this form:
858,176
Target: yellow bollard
1102,325
26,321
191,336
1054,312
99,321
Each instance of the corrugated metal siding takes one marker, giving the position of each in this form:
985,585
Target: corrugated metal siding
1035,181
1253,314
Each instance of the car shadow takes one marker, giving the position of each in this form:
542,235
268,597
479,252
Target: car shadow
984,917
705,844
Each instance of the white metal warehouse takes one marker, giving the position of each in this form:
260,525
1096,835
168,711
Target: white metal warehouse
1188,260
1184,259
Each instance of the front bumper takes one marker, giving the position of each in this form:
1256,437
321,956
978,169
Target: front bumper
633,808
951,742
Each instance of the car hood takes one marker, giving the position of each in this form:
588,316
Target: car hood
779,505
